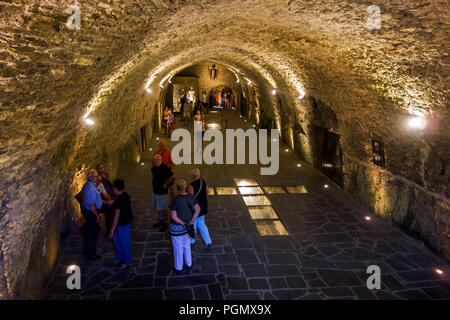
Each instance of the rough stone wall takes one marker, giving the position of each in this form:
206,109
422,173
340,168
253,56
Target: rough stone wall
372,79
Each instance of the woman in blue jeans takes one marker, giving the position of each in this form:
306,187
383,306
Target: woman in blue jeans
199,189
121,225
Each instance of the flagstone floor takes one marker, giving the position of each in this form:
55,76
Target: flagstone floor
281,237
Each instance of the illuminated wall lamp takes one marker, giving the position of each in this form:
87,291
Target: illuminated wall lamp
274,92
439,271
89,121
148,90
302,93
417,123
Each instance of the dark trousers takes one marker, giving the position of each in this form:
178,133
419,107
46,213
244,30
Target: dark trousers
109,216
91,230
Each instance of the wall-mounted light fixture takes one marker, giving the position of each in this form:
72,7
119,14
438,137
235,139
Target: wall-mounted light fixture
301,93
89,121
274,92
417,123
148,90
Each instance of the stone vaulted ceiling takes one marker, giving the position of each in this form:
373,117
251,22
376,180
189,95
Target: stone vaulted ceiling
50,76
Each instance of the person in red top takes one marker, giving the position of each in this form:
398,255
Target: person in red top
166,156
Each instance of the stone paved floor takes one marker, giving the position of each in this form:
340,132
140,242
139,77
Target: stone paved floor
325,256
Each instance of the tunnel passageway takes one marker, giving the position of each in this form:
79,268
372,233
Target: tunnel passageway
363,106
324,246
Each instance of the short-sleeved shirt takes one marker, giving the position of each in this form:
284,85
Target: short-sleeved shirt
184,205
101,189
160,175
91,196
123,203
166,157
107,184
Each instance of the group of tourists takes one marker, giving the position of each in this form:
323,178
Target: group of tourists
169,120
99,195
188,209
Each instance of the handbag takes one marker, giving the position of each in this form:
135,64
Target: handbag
190,228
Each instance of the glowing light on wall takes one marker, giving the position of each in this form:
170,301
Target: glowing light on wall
89,121
274,92
107,86
301,93
148,90
439,271
417,123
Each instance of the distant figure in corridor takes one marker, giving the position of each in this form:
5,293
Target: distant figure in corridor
121,225
188,109
162,177
105,179
92,202
170,123
205,101
185,211
166,156
199,189
198,131
166,118
182,106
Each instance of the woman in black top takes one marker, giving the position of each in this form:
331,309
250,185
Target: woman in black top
199,189
121,226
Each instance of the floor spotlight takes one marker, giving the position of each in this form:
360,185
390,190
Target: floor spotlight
299,165
142,163
439,271
367,218
325,186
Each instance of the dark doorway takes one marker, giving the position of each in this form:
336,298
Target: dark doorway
143,139
328,153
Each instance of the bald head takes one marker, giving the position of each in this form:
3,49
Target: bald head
157,160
